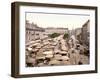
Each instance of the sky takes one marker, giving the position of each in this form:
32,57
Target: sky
57,20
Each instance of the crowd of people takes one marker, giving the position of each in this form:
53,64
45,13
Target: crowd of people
56,51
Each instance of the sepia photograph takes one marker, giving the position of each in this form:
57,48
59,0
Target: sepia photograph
53,39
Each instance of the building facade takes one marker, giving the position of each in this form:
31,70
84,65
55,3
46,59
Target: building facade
56,30
86,33
33,32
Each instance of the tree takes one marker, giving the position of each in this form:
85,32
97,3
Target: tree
53,35
66,35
